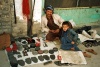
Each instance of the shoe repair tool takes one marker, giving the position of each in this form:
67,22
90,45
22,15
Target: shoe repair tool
45,45
25,53
48,62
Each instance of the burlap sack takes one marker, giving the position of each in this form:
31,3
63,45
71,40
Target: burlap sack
4,40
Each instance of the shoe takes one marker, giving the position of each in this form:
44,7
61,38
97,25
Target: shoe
58,63
91,51
86,55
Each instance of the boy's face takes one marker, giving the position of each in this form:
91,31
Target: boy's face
49,13
65,27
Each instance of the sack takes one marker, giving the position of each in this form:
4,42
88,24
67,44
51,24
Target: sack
4,40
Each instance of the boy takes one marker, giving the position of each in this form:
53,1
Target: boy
68,37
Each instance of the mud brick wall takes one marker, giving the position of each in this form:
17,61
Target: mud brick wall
20,28
6,16
7,21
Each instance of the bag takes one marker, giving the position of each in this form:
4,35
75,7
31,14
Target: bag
4,40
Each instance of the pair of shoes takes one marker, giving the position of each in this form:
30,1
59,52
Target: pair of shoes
86,55
91,51
87,44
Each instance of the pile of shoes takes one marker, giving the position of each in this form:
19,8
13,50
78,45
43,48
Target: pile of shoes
90,43
23,47
11,51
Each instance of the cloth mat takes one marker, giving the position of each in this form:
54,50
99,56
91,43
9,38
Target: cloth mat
74,57
51,45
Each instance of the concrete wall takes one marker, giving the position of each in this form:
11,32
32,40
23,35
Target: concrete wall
81,16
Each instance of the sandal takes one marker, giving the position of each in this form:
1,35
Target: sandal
91,51
86,55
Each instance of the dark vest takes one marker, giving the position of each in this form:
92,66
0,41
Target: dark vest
51,25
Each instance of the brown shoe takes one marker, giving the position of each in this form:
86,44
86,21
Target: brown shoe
86,55
91,51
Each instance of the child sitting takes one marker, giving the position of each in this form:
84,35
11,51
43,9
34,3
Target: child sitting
69,38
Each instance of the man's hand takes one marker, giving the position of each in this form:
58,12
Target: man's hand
54,31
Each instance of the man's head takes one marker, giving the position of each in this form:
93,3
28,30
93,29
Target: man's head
49,11
49,7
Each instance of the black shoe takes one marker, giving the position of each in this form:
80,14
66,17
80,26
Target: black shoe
58,63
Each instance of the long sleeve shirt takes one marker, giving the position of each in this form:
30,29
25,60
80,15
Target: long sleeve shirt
57,20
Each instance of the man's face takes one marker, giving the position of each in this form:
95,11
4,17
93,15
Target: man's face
49,13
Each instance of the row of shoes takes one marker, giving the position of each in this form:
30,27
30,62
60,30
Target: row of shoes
41,58
37,50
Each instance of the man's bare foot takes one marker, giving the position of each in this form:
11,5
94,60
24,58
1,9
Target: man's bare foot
57,38
46,40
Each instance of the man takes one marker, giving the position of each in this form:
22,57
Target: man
51,23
